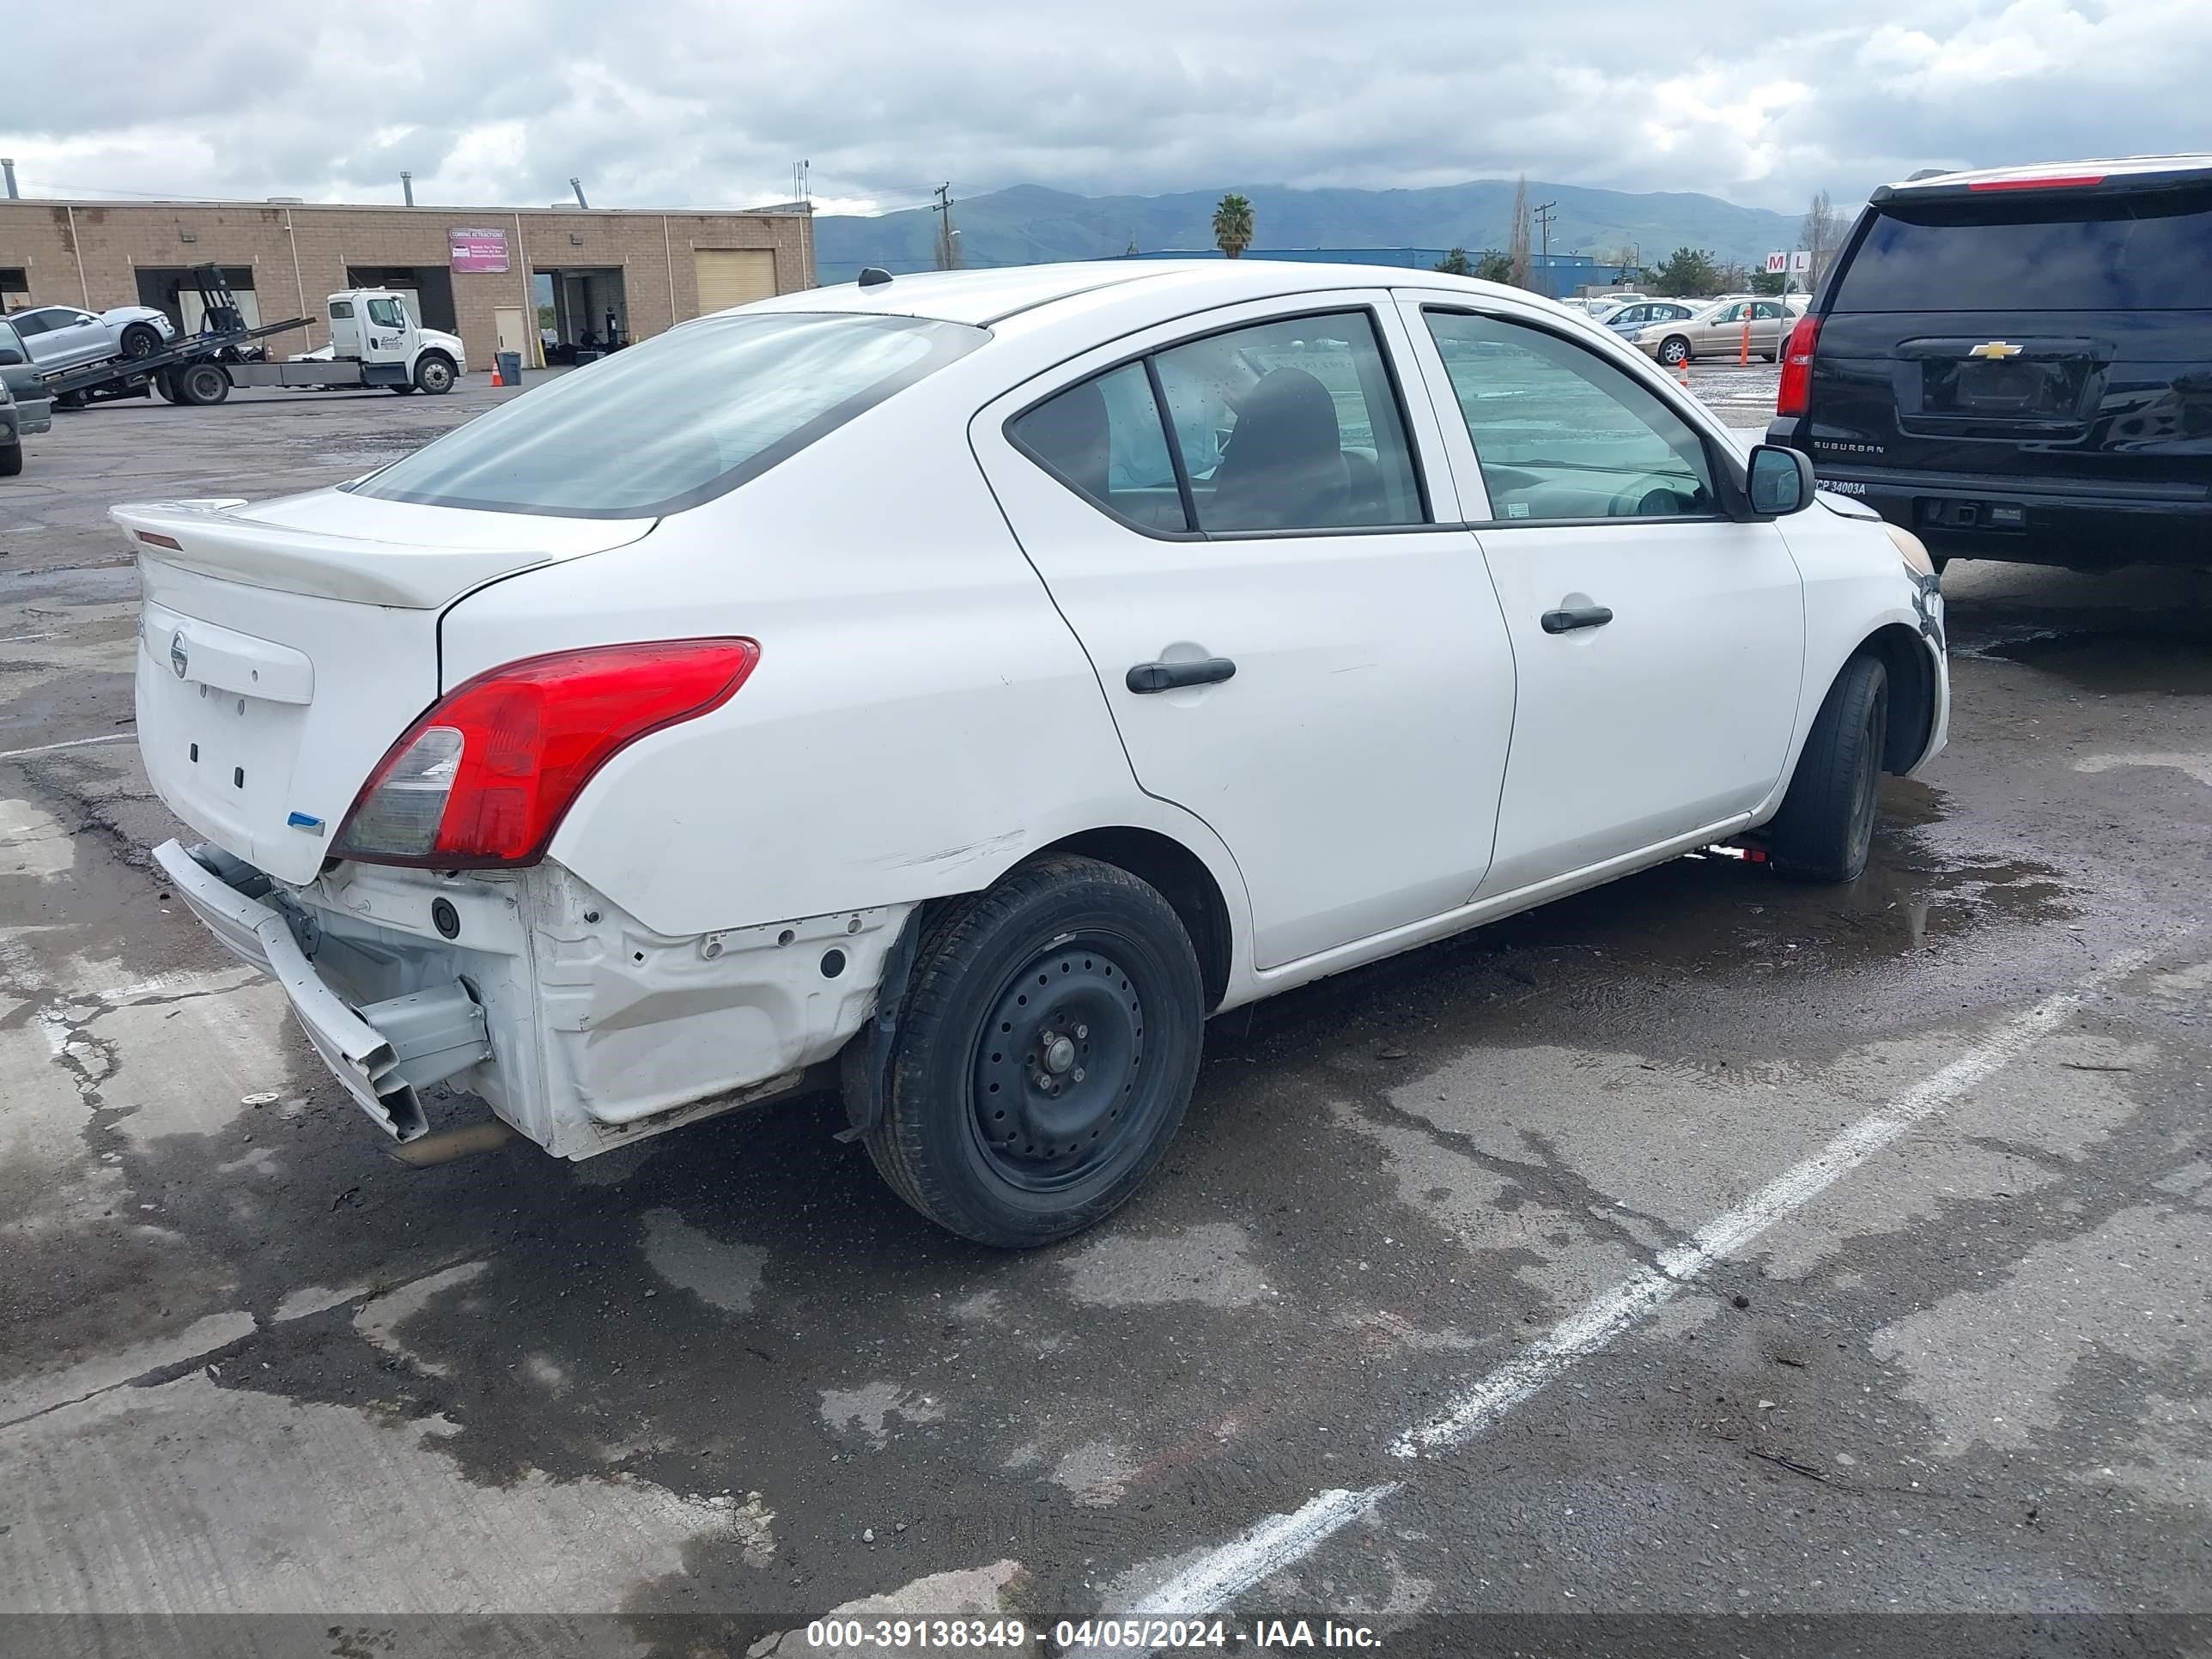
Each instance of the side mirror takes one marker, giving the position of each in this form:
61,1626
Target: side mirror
1779,481
9,357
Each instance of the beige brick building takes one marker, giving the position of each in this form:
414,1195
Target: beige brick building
564,269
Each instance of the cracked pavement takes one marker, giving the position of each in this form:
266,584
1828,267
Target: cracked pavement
700,1391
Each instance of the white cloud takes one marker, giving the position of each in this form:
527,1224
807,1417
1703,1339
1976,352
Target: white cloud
670,102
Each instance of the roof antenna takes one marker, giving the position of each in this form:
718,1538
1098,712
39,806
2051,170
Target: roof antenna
873,276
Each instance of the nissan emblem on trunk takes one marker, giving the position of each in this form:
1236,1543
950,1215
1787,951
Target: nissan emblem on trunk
178,659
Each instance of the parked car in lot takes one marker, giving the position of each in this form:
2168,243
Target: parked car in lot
1715,330
12,430
63,336
34,408
2017,364
1632,316
976,680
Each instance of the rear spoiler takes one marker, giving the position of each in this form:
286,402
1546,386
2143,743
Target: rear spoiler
210,538
2089,178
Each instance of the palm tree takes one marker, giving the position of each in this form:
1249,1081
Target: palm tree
1232,225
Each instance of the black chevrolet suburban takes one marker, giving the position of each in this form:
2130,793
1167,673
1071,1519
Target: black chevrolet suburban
2018,364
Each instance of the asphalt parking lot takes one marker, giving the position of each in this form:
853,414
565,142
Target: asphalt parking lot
1716,1247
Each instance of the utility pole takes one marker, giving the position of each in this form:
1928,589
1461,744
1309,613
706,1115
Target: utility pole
948,248
1542,213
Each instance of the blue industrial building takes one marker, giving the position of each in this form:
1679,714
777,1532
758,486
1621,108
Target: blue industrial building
1556,274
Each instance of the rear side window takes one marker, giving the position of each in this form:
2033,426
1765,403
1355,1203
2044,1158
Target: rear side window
686,417
2061,253
1102,439
1291,425
342,309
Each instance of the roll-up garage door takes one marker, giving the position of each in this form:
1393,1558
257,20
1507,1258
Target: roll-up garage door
732,276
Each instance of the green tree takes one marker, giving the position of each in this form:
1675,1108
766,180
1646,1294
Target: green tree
1495,266
1455,264
1232,225
1687,273
1762,283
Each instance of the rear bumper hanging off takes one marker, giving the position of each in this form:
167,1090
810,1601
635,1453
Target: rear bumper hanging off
383,1052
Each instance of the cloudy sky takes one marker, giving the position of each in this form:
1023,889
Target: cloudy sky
677,102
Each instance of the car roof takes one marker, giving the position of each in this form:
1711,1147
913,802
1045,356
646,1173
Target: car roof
2109,173
984,297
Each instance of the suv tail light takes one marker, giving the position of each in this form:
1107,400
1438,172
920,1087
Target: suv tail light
1796,395
484,778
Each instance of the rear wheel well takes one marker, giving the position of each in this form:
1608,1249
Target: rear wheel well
1911,692
1181,877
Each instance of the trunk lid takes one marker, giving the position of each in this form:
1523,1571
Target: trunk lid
283,646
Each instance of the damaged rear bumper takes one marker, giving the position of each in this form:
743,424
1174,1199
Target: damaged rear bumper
384,1052
577,1025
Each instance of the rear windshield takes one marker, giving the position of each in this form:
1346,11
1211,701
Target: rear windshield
676,421
2146,252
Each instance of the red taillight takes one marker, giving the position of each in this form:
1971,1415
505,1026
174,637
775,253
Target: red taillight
1796,395
484,778
2070,181
151,539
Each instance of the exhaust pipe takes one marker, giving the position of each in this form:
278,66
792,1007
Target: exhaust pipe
407,187
8,170
577,185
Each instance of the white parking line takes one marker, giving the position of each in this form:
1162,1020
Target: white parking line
1213,1581
74,743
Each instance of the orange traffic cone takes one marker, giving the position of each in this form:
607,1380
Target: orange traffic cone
1682,372
496,381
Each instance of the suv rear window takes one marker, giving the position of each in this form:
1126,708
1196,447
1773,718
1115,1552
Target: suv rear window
2063,254
686,417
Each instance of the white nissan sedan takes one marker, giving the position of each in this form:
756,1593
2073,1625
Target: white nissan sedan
977,681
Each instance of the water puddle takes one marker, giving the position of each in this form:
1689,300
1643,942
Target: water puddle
2126,662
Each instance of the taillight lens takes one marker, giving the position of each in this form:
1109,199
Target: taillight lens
484,778
1796,395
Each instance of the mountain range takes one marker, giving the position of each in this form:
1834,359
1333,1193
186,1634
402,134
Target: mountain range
1028,224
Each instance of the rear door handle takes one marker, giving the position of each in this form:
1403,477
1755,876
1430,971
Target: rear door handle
1149,677
1582,616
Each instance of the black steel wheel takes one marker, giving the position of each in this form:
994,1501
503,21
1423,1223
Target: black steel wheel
1044,1054
1053,1095
1825,831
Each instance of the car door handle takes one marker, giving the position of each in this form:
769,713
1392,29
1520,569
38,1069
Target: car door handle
1149,677
1580,615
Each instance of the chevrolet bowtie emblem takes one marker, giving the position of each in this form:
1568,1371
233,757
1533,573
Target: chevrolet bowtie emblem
1995,350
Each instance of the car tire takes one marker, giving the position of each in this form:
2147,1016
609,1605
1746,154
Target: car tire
434,373
1674,351
11,460
1066,1002
1825,829
406,391
201,383
140,340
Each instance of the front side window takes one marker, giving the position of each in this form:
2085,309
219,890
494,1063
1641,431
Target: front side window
1102,439
1559,433
678,420
386,313
1291,424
